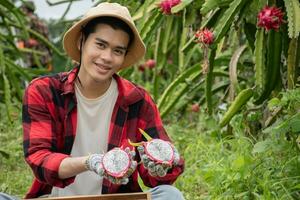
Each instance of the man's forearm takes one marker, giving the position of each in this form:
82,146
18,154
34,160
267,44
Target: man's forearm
71,167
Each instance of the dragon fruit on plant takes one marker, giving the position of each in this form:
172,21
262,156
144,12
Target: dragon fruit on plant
204,36
167,5
270,18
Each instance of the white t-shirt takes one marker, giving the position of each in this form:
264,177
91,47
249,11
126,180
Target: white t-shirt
93,121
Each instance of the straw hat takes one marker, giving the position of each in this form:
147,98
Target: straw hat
135,51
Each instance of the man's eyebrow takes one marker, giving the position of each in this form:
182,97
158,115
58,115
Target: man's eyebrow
105,42
101,40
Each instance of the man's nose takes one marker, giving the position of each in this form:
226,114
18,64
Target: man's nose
106,55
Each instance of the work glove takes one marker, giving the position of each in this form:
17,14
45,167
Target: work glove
95,163
155,168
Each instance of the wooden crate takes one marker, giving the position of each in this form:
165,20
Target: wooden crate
123,196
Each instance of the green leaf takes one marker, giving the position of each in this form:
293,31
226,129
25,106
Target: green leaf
189,45
209,81
241,99
172,86
296,186
291,124
174,99
259,53
216,88
274,102
213,18
7,96
233,70
227,19
295,125
126,72
151,25
2,61
167,33
181,90
41,38
238,163
250,30
262,146
181,56
21,71
293,13
149,4
7,4
292,63
181,6
213,4
16,84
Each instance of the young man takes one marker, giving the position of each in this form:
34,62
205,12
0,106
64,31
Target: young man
71,119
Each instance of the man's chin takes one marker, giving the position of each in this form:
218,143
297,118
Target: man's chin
99,80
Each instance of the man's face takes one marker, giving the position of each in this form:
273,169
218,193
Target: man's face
103,53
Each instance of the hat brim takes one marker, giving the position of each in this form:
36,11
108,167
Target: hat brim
70,41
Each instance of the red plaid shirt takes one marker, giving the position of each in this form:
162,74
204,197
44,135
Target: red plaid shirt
49,126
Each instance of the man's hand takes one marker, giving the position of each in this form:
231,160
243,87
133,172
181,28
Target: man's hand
155,168
95,163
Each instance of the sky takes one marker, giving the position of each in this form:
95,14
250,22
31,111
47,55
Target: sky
45,11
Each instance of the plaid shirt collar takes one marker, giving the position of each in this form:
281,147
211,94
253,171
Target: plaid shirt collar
128,92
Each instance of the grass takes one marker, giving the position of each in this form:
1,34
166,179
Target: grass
223,167
15,175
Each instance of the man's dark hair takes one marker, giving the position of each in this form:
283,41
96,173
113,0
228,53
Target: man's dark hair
115,23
